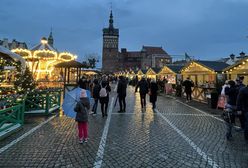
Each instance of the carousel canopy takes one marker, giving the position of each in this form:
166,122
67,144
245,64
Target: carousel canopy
4,52
69,64
43,46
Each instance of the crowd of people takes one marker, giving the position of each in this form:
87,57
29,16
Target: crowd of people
100,90
235,91
236,105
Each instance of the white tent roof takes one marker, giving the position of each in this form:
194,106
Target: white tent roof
14,56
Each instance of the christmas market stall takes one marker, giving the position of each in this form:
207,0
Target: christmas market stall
170,73
70,72
41,60
10,64
168,77
238,69
130,74
205,76
152,73
140,73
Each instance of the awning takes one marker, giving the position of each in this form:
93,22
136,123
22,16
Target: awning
4,52
69,64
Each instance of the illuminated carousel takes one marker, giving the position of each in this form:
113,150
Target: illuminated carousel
42,58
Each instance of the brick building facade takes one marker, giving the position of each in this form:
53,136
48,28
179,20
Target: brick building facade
113,60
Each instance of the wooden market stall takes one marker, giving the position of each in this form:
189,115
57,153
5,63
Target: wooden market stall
140,73
204,74
170,73
70,73
131,74
152,73
8,69
238,69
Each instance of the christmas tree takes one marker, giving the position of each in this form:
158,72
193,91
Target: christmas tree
24,80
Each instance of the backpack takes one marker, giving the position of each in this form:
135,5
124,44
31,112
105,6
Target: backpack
103,92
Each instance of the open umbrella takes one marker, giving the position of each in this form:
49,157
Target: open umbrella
70,101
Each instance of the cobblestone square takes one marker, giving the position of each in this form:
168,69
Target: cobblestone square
174,135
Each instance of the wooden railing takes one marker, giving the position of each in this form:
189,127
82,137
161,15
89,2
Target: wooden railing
43,101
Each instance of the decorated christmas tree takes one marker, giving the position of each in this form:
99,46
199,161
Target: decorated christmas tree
24,80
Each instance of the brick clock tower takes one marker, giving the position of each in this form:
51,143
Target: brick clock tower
110,60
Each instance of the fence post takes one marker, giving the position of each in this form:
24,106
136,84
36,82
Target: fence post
47,103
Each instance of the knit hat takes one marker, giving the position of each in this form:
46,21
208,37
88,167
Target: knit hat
83,93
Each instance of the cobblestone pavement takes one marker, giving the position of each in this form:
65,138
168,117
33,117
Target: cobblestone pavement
174,135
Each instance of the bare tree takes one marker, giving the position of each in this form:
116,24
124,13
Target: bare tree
90,60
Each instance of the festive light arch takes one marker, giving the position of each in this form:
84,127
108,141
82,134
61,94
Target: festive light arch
41,59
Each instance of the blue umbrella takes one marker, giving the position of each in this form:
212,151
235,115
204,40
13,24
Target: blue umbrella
70,101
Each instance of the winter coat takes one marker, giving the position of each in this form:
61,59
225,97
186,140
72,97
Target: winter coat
143,86
153,92
122,88
232,94
96,90
82,108
188,84
242,100
108,89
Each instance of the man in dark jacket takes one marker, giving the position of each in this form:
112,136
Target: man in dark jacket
96,90
239,86
242,106
187,88
232,94
121,90
143,89
153,93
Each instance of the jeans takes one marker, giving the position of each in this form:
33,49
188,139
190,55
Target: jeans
82,130
143,100
122,101
246,126
188,96
94,109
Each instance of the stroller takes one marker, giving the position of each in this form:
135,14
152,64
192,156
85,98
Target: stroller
229,117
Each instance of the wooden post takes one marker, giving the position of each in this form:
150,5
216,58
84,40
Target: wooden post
68,76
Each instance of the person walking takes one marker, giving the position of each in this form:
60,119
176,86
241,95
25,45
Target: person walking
153,92
81,108
188,84
122,91
104,97
230,107
242,106
95,91
239,86
143,90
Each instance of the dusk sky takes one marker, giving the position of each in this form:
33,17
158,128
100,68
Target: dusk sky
208,29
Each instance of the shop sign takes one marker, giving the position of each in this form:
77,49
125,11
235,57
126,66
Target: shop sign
9,67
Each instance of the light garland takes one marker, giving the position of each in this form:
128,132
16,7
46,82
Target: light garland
45,60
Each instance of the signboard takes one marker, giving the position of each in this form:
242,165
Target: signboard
9,67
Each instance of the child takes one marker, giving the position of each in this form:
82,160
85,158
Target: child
82,108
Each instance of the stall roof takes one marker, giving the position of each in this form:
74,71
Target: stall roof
156,70
214,65
236,64
7,53
175,68
69,64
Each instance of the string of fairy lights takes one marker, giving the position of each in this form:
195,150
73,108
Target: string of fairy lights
41,62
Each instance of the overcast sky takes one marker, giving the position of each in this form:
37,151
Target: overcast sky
205,29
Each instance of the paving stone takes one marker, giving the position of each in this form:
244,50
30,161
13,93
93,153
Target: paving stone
136,138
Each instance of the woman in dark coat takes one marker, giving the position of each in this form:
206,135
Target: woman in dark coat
153,93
